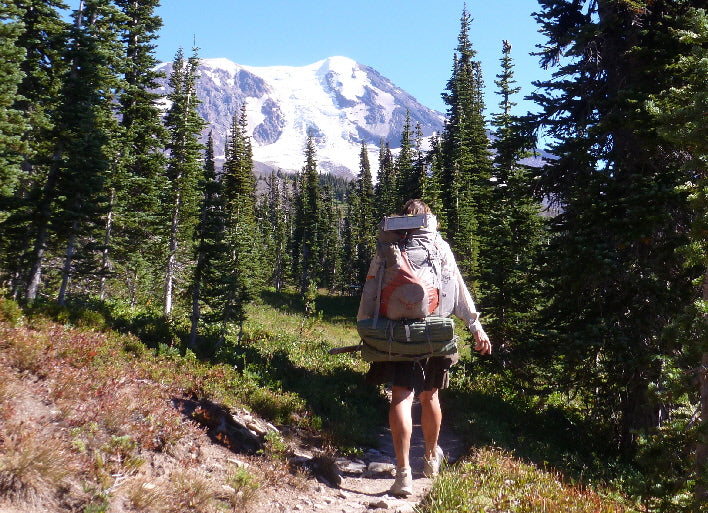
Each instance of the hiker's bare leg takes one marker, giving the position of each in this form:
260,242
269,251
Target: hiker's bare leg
401,422
430,419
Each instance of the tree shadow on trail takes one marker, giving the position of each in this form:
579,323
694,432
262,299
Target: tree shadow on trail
351,410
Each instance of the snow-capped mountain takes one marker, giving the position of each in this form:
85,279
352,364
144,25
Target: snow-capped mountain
339,100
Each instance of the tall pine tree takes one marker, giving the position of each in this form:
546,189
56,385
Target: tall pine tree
12,123
137,175
26,232
622,218
89,137
386,193
364,219
513,236
242,242
678,111
467,165
207,284
308,217
183,169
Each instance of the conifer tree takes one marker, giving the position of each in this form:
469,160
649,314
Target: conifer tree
623,217
308,214
183,168
432,184
677,111
329,241
386,196
276,229
514,233
467,168
350,280
137,173
407,181
242,242
364,221
25,234
12,124
89,134
207,285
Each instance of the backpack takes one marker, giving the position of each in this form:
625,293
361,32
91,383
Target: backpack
403,295
407,279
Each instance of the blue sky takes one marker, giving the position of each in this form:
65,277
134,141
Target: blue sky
410,42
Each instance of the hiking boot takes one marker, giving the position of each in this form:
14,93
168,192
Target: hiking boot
431,466
403,485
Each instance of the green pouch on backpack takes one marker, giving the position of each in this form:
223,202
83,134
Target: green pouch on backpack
385,339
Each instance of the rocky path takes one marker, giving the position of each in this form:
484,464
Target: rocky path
365,482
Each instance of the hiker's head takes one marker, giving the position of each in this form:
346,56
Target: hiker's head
415,207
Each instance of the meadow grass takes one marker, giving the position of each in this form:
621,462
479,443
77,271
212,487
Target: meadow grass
491,479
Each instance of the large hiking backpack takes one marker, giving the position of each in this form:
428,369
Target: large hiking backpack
405,293
407,281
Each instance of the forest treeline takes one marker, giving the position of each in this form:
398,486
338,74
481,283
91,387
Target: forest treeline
109,193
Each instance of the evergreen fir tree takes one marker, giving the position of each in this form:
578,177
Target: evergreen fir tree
12,123
137,175
365,221
242,241
386,196
25,234
183,168
677,112
623,218
88,138
508,262
467,168
275,229
407,181
207,285
432,184
307,222
330,242
350,274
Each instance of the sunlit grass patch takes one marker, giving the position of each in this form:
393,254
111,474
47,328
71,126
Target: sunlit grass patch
492,480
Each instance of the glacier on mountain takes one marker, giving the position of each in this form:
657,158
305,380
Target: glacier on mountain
342,103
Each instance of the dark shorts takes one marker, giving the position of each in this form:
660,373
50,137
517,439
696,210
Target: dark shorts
419,376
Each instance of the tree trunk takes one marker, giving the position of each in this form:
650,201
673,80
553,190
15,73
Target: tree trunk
702,447
171,258
40,243
106,243
68,262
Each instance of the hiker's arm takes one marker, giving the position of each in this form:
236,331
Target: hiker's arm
466,310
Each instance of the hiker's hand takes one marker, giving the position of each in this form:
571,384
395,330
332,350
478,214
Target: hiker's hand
484,346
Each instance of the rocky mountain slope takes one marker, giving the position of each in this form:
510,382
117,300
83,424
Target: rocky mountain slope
341,102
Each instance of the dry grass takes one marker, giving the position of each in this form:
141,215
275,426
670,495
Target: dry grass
83,423
32,468
185,490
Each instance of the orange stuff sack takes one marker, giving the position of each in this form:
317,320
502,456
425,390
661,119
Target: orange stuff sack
405,294
406,280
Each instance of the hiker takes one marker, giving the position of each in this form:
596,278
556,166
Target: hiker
421,378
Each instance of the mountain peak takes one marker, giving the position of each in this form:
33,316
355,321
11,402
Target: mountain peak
341,102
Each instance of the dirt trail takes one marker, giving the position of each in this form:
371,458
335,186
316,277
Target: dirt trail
365,482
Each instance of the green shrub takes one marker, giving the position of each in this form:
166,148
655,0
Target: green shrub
91,319
11,312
